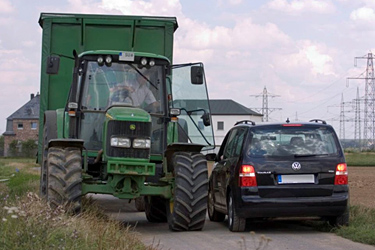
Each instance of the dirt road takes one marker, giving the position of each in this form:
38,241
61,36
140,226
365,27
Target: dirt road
283,234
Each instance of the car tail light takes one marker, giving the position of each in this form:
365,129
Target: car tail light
341,177
247,176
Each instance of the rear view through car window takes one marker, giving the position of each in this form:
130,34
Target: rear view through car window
292,141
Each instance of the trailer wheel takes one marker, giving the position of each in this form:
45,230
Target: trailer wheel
155,209
140,204
187,210
65,178
49,132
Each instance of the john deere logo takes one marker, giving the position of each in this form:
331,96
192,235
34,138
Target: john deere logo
132,126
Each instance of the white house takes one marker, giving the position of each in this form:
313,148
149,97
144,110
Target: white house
225,113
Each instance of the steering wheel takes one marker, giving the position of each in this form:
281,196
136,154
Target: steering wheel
121,96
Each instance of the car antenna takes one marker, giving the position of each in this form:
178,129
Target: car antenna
287,120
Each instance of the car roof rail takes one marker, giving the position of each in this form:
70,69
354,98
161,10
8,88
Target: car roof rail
245,122
318,120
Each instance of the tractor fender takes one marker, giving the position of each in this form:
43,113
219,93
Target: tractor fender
75,143
180,147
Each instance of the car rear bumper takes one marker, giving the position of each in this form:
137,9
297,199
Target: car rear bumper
255,206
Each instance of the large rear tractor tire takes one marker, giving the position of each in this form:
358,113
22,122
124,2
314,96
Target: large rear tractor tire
65,178
187,210
49,132
155,209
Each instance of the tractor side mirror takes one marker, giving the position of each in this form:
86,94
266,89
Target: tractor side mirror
196,75
206,119
53,64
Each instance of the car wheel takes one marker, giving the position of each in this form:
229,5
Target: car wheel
212,213
341,220
235,223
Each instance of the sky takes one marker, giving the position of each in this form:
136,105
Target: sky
301,51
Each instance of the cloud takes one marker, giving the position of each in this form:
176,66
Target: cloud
152,7
302,6
6,6
363,14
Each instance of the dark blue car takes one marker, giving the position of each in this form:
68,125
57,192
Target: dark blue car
279,170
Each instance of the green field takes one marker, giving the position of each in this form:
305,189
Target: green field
360,159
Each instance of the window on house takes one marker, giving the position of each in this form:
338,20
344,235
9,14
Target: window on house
33,125
20,125
220,125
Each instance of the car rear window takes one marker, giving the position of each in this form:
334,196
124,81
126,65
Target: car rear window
292,140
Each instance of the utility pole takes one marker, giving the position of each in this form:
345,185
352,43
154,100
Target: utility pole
266,111
369,109
357,119
342,118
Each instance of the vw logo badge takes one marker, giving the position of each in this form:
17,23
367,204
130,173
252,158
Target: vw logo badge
296,166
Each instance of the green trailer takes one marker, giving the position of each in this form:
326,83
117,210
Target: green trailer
117,117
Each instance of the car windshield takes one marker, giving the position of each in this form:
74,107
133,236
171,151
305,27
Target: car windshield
298,141
121,84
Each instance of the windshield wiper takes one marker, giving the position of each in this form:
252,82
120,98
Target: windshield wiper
139,72
308,155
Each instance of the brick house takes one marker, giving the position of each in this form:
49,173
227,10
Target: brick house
23,124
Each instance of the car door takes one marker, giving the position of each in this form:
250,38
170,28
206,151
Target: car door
223,166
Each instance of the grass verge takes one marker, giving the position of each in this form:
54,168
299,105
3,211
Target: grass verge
360,159
361,226
26,222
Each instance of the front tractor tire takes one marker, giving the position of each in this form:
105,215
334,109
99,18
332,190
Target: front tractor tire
187,210
65,178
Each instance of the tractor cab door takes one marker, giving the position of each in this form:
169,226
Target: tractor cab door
189,94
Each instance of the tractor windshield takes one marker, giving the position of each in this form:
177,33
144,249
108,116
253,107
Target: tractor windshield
192,99
121,84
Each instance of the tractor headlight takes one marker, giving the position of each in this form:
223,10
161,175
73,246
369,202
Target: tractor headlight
141,143
120,142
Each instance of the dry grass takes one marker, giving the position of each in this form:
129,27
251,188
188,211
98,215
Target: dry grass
27,222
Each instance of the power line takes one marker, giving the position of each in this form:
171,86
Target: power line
265,110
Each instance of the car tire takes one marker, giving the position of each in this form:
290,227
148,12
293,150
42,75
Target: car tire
341,220
235,223
65,178
188,209
213,214
155,209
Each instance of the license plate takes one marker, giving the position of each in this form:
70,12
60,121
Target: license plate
126,56
296,178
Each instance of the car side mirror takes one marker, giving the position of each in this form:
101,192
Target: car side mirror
196,75
53,65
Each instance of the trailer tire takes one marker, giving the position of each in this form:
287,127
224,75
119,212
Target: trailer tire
155,209
65,178
140,204
187,210
49,132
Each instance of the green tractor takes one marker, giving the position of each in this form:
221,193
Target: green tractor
134,127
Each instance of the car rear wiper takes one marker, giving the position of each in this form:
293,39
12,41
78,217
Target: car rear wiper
308,155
